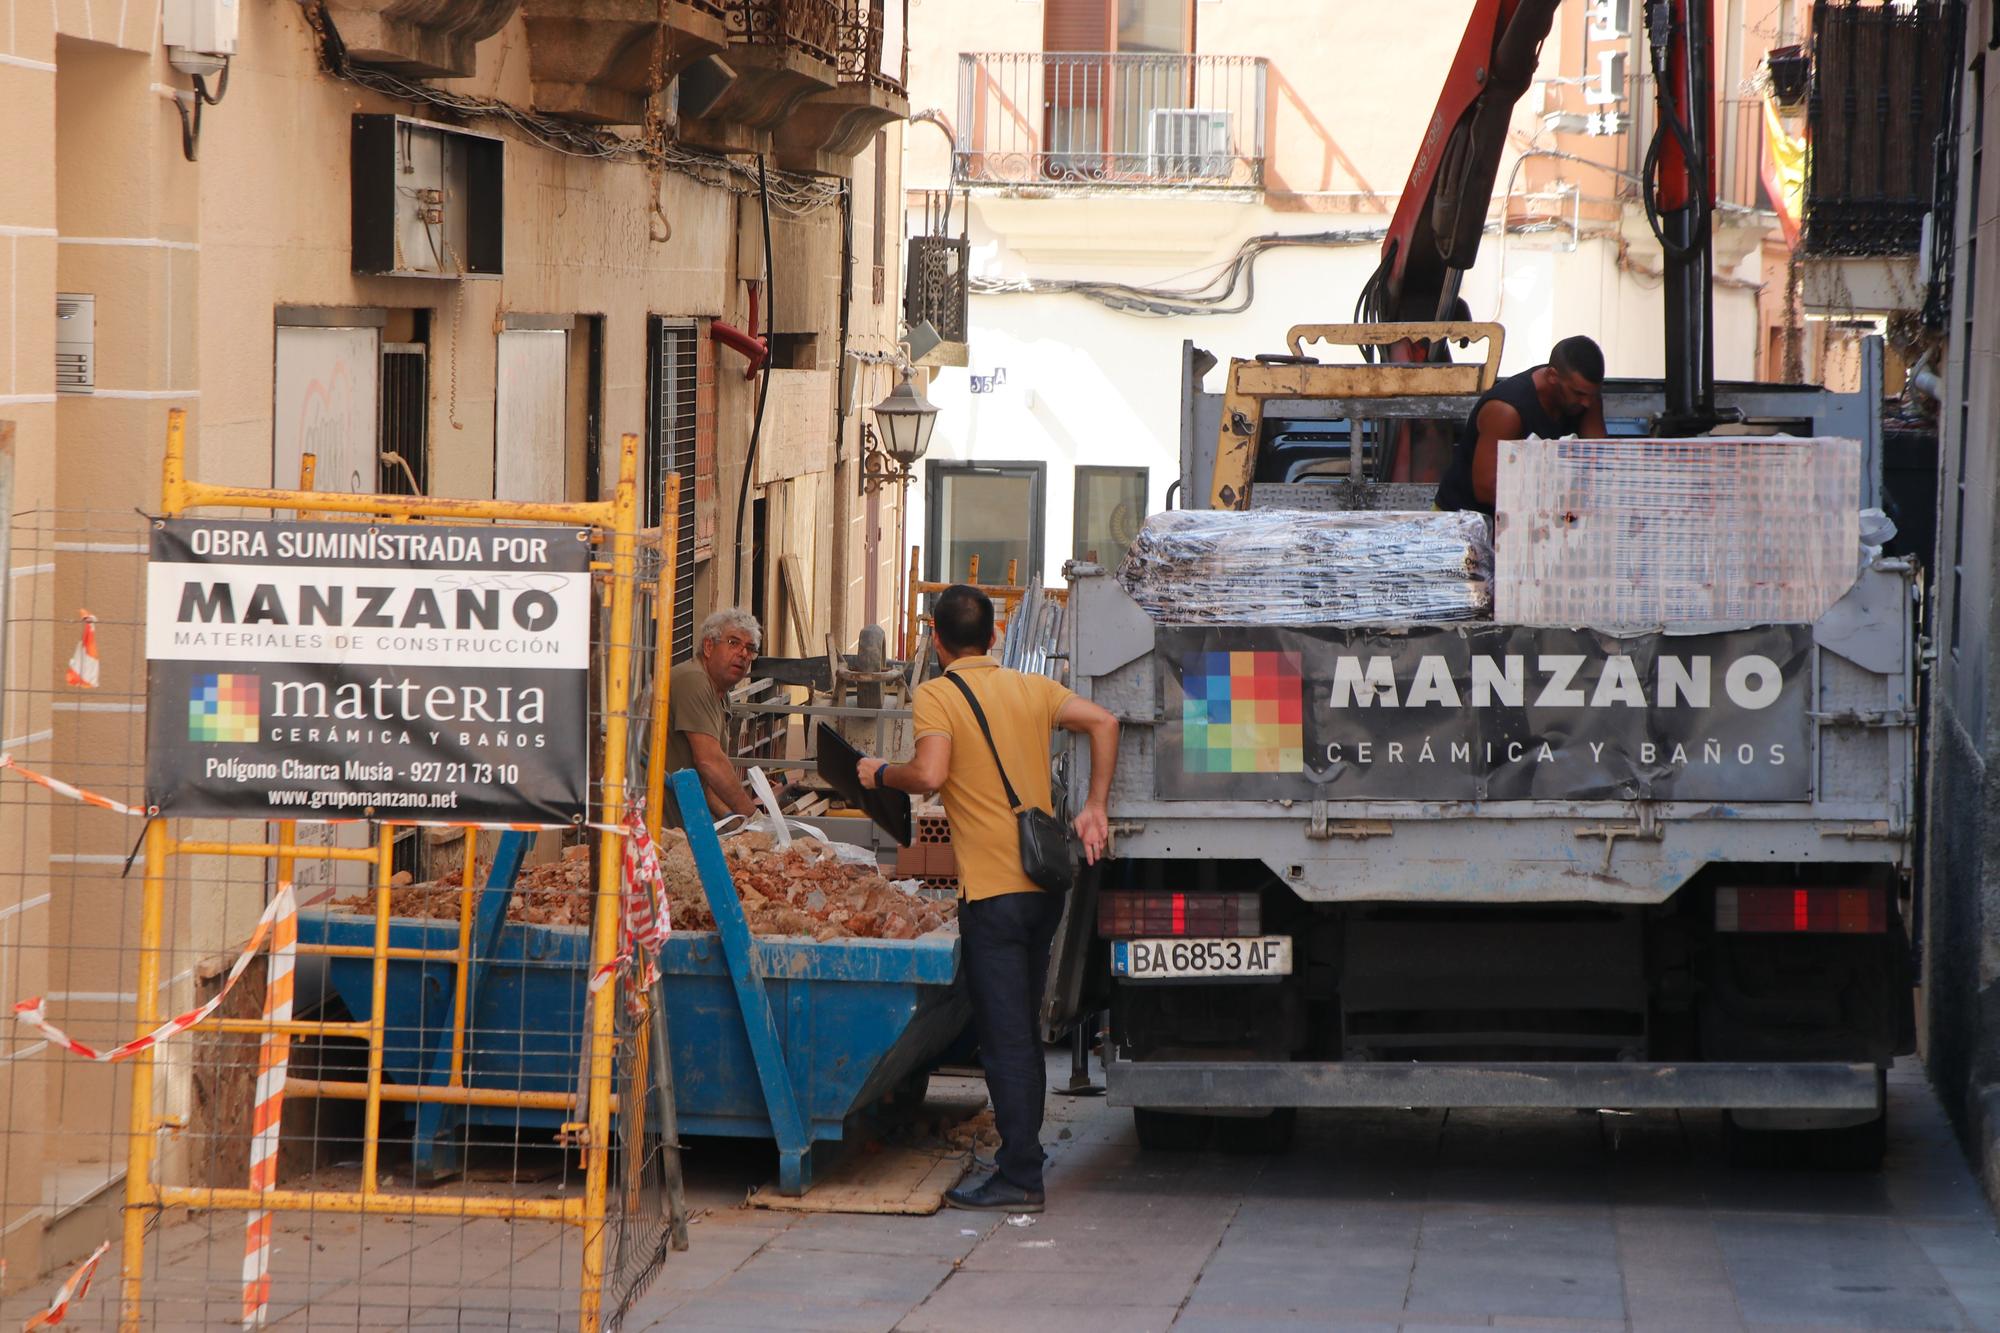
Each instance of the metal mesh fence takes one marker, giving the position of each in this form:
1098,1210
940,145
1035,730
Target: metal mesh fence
462,1200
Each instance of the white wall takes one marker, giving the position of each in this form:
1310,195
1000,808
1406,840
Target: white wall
1088,385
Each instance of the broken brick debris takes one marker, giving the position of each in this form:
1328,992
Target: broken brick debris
801,890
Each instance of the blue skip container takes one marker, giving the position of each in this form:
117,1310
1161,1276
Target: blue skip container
778,1038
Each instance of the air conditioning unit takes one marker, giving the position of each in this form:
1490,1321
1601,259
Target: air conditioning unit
427,199
1192,144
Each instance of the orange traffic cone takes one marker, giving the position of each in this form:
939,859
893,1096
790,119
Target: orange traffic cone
83,665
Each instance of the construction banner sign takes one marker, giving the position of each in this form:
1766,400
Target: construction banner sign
1490,712
348,670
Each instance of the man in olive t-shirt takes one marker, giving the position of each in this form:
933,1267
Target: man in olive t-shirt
696,716
1006,922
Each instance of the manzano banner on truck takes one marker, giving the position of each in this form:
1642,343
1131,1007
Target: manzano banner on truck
337,669
1488,712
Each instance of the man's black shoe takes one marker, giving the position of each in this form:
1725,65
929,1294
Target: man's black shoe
995,1195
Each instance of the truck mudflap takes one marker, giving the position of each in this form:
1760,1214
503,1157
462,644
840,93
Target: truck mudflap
1699,1085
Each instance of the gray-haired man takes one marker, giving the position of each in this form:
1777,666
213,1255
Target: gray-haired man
724,649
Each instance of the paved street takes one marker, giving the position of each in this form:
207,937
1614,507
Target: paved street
1381,1221
1374,1221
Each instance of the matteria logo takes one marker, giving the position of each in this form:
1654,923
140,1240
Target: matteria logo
1242,713
224,707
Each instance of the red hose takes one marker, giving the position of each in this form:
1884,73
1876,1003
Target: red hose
752,347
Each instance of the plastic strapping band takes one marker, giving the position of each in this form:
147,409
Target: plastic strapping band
35,1015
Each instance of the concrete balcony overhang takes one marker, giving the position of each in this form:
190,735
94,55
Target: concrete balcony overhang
425,39
593,60
1844,286
824,133
1737,234
1114,226
771,81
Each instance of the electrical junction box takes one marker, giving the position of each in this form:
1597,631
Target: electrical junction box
76,342
426,199
208,26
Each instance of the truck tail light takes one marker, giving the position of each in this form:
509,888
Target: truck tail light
1783,911
1131,914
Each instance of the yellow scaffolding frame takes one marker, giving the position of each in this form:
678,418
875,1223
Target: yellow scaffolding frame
143,1195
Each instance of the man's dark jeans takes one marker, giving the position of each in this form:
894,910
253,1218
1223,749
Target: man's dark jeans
1006,954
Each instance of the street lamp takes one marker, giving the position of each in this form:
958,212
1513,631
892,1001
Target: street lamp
903,422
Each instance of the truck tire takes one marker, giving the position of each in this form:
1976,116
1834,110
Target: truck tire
1266,1135
1849,1148
1169,1131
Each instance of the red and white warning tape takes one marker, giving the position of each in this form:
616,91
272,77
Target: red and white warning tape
62,788
75,1289
268,1112
644,923
35,1014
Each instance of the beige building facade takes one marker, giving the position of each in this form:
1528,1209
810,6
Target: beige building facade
1129,174
457,247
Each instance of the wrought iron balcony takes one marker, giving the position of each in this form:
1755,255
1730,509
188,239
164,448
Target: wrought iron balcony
1124,119
863,57
1880,88
813,26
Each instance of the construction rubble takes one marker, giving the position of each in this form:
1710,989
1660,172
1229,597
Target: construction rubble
800,890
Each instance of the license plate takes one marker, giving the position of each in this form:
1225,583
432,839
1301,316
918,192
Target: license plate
1268,956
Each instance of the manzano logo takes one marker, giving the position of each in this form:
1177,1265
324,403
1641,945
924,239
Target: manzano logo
223,707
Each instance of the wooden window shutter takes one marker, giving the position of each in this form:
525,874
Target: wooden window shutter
1076,25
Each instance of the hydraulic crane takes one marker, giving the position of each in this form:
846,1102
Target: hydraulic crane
1441,216
1410,311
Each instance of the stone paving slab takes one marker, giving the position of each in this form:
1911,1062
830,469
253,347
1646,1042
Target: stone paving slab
1376,1220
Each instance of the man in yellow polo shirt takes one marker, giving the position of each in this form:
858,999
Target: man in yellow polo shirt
1005,921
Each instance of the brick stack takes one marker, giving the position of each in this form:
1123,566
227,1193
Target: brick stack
929,856
1645,532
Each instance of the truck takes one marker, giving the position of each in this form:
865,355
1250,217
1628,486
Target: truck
1365,931
1460,936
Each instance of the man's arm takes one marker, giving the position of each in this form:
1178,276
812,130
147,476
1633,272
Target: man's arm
1592,425
924,774
719,782
1497,422
1093,824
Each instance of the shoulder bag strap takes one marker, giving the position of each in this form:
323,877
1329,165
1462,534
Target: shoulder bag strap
979,714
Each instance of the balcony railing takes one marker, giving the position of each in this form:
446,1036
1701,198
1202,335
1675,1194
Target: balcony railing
1124,119
1739,144
814,26
871,50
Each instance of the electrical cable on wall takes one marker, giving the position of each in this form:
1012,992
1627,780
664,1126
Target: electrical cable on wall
763,388
1165,302
190,104
790,194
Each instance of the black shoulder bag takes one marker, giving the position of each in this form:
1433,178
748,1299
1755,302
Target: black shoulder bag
1047,855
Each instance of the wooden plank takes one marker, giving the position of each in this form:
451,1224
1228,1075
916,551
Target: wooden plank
793,575
905,1181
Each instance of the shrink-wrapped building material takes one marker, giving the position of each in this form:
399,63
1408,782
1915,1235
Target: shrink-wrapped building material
1645,532
1290,567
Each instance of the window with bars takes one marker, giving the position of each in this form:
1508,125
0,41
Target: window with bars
405,461
670,437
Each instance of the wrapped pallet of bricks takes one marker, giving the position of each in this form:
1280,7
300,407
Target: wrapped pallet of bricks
1291,567
1646,532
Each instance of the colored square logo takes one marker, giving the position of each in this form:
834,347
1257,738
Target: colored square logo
1242,712
224,707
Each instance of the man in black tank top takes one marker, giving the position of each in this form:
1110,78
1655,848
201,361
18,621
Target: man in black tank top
1561,398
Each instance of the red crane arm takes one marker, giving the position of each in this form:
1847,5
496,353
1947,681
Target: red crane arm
1441,215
